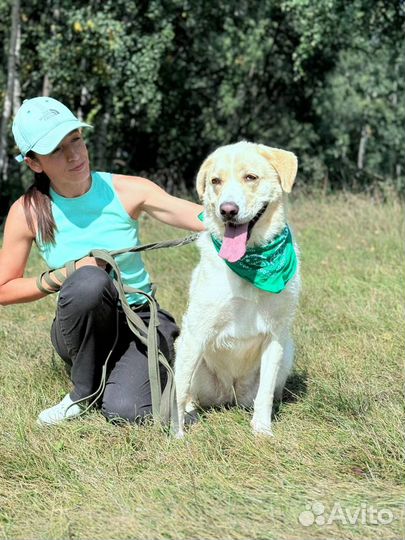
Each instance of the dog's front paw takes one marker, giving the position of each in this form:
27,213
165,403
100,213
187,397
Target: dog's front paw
261,428
179,434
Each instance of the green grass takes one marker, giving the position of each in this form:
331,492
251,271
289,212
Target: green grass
338,433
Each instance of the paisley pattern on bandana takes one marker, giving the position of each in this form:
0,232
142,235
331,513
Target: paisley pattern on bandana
269,267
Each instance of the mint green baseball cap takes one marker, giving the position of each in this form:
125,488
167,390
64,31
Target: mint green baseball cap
41,123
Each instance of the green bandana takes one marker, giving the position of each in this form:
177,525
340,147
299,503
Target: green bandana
269,267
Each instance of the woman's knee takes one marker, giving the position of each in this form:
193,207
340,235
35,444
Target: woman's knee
168,332
118,409
87,288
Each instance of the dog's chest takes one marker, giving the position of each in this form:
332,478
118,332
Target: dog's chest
229,309
239,319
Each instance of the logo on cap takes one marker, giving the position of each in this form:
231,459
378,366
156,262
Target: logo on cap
49,114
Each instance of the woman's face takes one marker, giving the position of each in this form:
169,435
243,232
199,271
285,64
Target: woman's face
67,164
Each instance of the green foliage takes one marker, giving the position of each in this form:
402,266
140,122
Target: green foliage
370,98
166,81
359,46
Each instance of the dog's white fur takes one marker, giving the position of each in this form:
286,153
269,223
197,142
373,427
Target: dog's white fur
235,345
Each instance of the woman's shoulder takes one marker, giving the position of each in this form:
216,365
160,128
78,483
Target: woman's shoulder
134,186
130,180
17,208
123,182
17,217
133,191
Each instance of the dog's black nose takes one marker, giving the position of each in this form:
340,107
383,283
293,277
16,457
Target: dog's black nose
229,210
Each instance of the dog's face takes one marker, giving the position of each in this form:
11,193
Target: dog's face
237,184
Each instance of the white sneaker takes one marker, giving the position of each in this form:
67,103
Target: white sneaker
62,411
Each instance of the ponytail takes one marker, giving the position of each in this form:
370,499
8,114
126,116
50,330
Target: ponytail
37,201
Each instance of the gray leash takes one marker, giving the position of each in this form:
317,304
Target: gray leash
164,404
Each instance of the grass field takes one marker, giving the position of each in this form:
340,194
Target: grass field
337,453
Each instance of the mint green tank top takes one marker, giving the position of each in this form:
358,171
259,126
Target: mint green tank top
96,220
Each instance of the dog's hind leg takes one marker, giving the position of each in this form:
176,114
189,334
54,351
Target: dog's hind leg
206,389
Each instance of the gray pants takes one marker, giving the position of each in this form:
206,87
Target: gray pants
83,332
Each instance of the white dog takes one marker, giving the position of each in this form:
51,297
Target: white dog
235,345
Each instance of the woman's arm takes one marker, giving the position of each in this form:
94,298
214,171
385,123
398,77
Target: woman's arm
17,243
139,194
172,210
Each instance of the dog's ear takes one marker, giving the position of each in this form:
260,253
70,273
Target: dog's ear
285,163
202,177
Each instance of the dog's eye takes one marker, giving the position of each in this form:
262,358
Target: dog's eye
251,177
216,181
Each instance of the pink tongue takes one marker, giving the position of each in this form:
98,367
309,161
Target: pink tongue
234,244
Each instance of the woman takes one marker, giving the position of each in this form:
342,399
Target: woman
67,212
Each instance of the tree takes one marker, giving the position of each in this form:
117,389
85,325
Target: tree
11,97
354,105
166,81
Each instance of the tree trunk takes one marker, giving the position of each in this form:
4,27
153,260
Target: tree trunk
46,83
84,98
17,83
10,91
365,134
100,145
